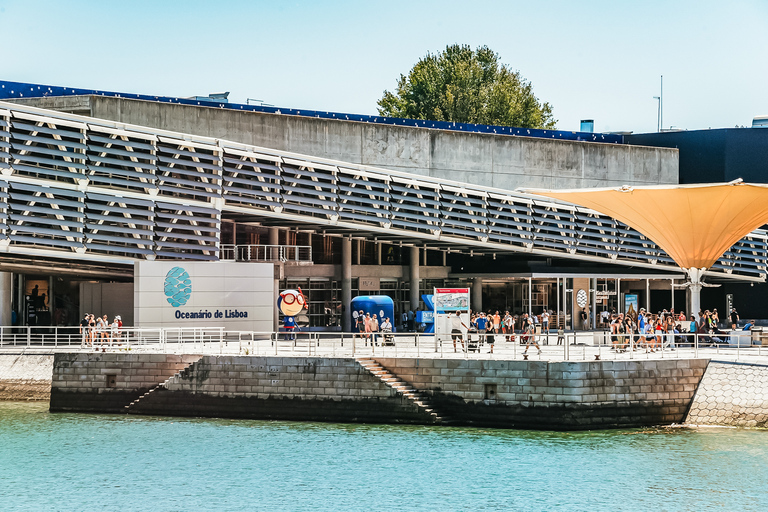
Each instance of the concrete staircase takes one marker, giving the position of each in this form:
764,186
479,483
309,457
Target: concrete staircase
420,399
178,374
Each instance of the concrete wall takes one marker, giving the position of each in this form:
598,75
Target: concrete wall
107,299
500,161
731,394
226,290
25,377
569,395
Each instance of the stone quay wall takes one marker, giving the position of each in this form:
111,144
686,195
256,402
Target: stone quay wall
292,388
25,377
88,382
731,394
557,395
504,394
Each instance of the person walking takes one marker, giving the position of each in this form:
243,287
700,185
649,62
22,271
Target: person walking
360,324
456,324
531,334
509,326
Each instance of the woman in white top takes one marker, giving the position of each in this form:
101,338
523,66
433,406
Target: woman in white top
456,332
509,326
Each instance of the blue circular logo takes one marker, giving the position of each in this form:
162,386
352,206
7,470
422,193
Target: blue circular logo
178,286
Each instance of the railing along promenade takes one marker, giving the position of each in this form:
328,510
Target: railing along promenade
572,346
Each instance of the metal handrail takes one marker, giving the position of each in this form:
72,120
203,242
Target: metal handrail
266,253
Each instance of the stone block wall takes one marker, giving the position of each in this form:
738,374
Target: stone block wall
731,394
320,389
88,382
533,394
25,377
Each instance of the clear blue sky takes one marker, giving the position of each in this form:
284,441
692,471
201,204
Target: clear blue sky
599,59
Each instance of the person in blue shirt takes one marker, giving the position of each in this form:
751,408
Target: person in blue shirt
482,326
749,325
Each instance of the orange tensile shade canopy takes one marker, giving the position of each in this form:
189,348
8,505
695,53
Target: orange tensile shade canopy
694,224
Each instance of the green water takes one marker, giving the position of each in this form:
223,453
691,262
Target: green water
125,463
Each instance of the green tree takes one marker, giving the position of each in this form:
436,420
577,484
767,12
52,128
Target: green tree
465,86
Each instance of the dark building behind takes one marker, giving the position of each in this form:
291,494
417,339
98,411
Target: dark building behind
714,156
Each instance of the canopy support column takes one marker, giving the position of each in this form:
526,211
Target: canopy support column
695,275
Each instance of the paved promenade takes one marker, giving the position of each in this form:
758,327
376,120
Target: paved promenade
579,347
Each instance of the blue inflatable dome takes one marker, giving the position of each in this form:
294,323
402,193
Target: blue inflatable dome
380,305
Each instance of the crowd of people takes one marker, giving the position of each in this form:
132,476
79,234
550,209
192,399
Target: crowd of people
368,327
649,331
98,330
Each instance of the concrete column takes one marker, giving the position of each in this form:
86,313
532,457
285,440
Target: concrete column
648,295
672,284
378,253
445,258
346,284
273,240
530,296
424,257
414,282
476,297
274,256
358,251
6,294
594,302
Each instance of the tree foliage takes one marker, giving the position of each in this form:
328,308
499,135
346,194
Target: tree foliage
466,86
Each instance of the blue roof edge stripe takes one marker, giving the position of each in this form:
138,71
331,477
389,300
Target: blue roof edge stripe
28,90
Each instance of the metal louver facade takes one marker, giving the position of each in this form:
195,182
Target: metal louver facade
84,188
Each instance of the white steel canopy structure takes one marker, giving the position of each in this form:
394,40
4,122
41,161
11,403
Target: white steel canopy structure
86,189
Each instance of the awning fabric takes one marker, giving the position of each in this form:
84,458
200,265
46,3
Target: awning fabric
694,224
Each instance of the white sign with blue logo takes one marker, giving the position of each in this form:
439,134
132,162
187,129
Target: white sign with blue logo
237,296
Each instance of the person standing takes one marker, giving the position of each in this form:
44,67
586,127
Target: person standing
481,322
545,322
368,326
734,319
509,326
84,335
584,318
360,324
374,329
496,323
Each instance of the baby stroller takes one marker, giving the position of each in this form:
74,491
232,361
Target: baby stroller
473,340
388,338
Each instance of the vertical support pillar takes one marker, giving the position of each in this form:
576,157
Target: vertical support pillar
476,298
346,284
274,239
414,292
6,293
565,305
618,295
648,295
424,257
21,303
274,256
530,296
378,253
445,258
358,253
672,283
557,311
593,285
